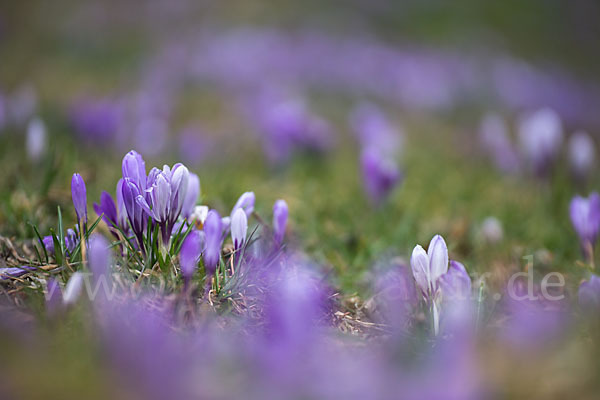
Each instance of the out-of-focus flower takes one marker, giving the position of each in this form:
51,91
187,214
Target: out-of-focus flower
54,298
455,284
395,296
73,289
280,216
213,236
491,230
97,121
245,202
14,272
79,195
582,154
99,256
380,175
190,254
191,197
541,135
23,104
374,131
585,217
589,294
239,228
495,139
198,216
36,140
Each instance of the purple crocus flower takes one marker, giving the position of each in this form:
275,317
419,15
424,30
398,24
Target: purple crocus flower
589,294
134,169
108,210
585,217
54,298
280,216
121,210
78,193
246,202
36,139
582,154
137,216
495,140
239,228
99,256
165,197
97,121
48,244
190,254
541,136
455,284
380,175
374,130
191,197
213,235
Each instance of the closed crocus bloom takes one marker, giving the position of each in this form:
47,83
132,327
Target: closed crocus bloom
107,210
246,202
380,175
191,197
582,154
134,169
179,187
541,135
36,139
135,213
429,266
78,193
585,217
213,233
239,228
589,294
456,283
121,210
190,254
280,216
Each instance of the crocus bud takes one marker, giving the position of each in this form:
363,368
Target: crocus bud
582,154
134,168
213,234
78,193
107,209
541,136
429,266
121,210
280,216
190,254
585,217
380,175
239,228
246,202
48,244
589,294
36,141
191,197
136,215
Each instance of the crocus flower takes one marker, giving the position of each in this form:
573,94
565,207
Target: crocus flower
585,217
435,280
48,244
73,289
78,193
54,298
491,230
121,210
380,175
108,210
589,294
582,154
246,202
99,256
190,254
36,141
198,216
239,228
495,140
374,130
541,136
137,216
134,169
191,197
280,216
213,234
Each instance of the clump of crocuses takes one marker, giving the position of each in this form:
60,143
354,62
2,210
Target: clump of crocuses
585,217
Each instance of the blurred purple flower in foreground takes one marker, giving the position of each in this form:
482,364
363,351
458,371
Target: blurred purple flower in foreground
585,217
190,254
589,294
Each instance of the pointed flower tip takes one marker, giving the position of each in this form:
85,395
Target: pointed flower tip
79,197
